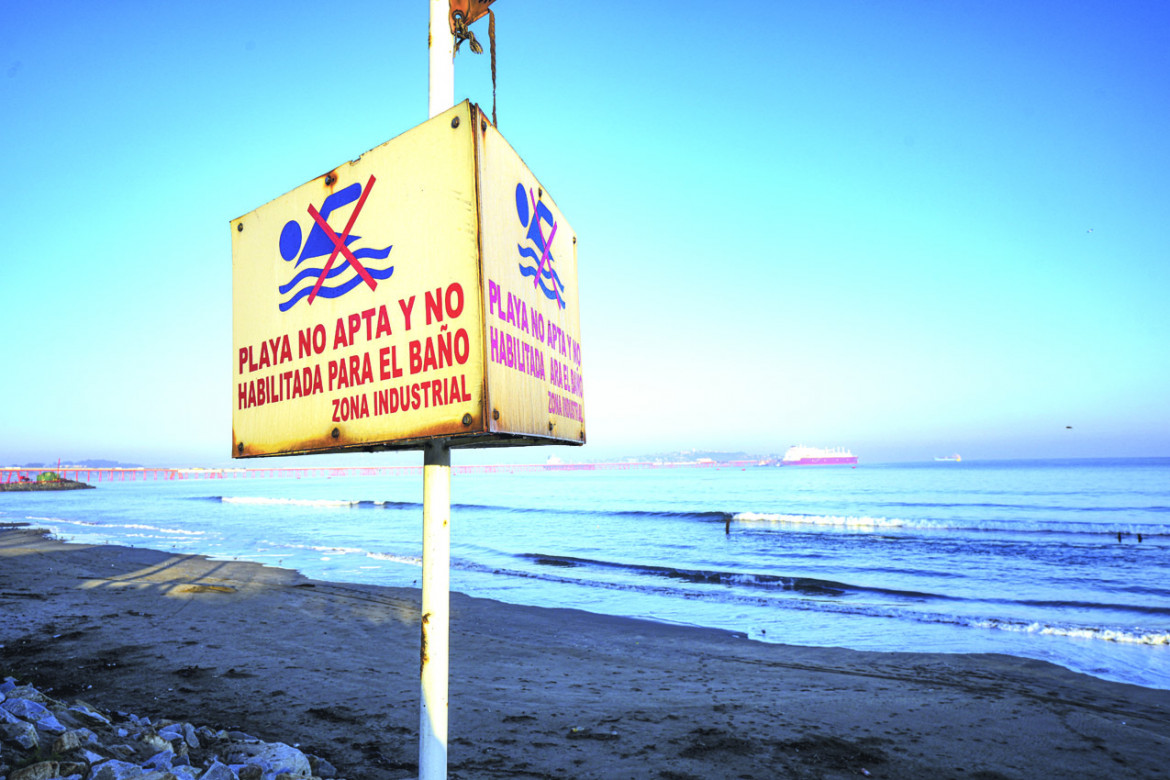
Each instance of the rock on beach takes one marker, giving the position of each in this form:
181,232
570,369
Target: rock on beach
42,738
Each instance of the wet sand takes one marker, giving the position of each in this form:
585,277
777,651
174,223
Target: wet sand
542,693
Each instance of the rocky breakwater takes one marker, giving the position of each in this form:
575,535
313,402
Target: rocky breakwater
56,484
45,739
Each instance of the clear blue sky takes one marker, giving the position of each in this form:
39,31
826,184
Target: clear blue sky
910,228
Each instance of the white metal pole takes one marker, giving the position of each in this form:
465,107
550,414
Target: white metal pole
436,609
436,564
442,53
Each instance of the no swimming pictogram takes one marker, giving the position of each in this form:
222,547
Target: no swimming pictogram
324,241
531,212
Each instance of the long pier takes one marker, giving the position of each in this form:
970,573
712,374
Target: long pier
148,474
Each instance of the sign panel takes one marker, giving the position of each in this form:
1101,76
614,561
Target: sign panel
529,290
425,290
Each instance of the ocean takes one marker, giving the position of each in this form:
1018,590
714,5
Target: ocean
1015,557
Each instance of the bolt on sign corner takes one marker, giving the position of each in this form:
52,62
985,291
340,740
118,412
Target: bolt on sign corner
426,290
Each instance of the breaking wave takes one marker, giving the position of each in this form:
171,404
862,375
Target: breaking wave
781,521
867,523
805,585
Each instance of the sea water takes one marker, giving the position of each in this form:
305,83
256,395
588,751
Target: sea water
1016,557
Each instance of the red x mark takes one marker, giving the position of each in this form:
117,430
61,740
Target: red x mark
547,248
339,242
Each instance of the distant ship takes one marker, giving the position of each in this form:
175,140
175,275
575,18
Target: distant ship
952,458
818,456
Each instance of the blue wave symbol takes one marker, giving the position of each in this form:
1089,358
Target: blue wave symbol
302,284
554,292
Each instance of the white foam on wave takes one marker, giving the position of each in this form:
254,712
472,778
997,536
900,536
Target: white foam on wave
313,502
891,523
317,547
837,521
55,520
410,560
1078,632
156,529
748,579
130,526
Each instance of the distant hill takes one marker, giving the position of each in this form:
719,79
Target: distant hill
93,463
695,456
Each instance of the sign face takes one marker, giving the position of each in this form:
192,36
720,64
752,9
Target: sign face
425,290
530,297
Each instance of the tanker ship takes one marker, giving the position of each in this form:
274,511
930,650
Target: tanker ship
818,456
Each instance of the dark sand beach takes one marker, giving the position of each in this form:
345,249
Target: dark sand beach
538,692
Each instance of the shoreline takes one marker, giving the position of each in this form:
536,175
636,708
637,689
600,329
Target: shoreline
538,692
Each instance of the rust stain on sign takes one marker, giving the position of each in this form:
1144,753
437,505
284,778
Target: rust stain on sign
423,658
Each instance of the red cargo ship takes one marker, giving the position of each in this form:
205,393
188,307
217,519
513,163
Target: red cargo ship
818,456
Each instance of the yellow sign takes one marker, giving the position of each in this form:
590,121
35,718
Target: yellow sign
425,290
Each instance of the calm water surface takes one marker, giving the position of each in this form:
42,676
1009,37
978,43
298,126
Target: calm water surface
1018,557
